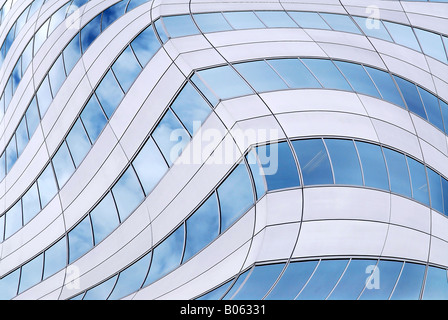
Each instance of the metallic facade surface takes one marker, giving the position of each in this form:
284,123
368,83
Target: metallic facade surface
223,149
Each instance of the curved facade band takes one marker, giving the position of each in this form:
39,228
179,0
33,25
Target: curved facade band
224,150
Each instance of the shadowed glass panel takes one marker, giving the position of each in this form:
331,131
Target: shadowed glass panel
279,167
276,19
145,45
55,258
327,73
113,13
261,76
202,227
358,78
435,189
178,26
344,159
411,97
131,279
398,172
314,162
323,280
104,218
382,280
89,32
101,291
340,22
436,284
410,282
80,239
373,165
235,195
128,193
419,182
294,73
243,20
211,22
432,108
166,256
309,20
292,281
31,273
259,282
386,86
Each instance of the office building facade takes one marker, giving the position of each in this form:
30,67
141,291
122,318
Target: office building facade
175,149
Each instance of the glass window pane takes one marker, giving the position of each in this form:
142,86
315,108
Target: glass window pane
418,181
78,142
171,137
126,69
128,193
131,279
80,239
149,166
431,44
104,218
211,97
402,34
387,273
373,165
279,167
444,110
30,203
224,82
294,73
398,172
358,78
101,291
386,86
276,19
13,219
40,36
55,258
327,73
31,273
112,13
145,45
323,280
47,185
373,28
16,75
309,20
109,93
411,97
27,55
211,22
259,282
166,256
257,173
261,76
90,31
134,4
58,17
236,284
292,281
243,20
72,53
191,108
435,189
353,281
32,117
217,293
21,136
410,282
436,284
57,75
9,285
2,227
432,108
63,165
202,227
235,196
178,26
344,159
93,118
44,96
2,166
340,22
11,153
160,29
444,191
314,162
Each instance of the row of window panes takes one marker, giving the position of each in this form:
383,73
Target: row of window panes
84,132
223,82
5,9
324,161
55,78
430,43
336,279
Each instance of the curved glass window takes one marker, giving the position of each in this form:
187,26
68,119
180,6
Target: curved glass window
178,26
373,165
398,172
102,291
104,218
80,239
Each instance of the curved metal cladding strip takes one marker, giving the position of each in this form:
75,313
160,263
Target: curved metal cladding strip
224,150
